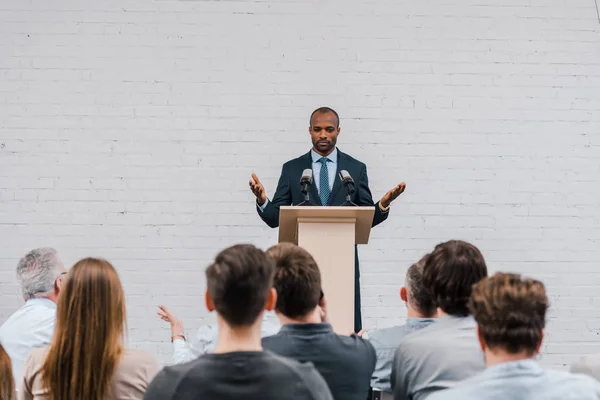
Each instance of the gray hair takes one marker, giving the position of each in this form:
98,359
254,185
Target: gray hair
420,297
37,272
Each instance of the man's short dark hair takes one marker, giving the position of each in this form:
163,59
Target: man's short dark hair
419,295
239,282
450,272
297,280
325,110
510,312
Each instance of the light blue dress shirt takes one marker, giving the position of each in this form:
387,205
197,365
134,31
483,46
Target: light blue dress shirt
316,168
31,326
385,342
522,380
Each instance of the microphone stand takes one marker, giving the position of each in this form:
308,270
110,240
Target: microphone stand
349,191
307,201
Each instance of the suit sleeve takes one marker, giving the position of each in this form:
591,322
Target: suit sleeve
282,197
365,198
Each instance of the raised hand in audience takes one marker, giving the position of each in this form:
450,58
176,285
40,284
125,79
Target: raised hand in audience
177,330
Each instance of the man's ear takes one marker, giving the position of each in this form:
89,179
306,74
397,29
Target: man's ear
271,300
209,303
539,346
404,294
480,337
339,129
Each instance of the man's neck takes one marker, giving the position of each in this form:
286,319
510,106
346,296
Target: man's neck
232,339
313,317
323,154
496,356
414,313
53,297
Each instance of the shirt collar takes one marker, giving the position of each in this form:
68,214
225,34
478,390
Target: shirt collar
41,302
307,328
521,367
414,322
316,156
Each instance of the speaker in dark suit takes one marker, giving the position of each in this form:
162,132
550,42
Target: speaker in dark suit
326,162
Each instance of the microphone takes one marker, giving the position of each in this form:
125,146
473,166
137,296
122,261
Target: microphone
305,181
347,180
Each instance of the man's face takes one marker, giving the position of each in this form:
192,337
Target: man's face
324,131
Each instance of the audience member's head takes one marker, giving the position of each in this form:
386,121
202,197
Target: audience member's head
40,274
240,285
88,340
418,297
297,281
7,382
511,315
450,271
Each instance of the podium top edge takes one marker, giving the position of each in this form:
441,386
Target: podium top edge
329,208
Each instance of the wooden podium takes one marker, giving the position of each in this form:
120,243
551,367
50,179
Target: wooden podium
329,235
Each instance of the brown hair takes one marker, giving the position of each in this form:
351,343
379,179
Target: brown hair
419,295
239,282
450,272
7,382
297,280
510,312
88,339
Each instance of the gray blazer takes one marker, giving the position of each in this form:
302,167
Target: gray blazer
589,365
436,358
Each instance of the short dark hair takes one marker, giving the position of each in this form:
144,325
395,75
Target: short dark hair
325,110
419,295
510,312
239,282
297,280
450,271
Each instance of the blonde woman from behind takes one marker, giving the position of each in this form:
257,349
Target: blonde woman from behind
87,358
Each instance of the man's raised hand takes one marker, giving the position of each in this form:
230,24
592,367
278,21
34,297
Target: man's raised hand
258,190
392,195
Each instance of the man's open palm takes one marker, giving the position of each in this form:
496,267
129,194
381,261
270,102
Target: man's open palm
392,195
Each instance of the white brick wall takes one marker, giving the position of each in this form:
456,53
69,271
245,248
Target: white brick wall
129,129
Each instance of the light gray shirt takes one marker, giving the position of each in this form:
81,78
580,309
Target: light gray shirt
30,327
436,358
523,380
385,342
589,365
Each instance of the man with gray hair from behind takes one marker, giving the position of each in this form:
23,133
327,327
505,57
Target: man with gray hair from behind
40,274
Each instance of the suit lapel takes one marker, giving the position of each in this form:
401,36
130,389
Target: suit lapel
337,184
312,189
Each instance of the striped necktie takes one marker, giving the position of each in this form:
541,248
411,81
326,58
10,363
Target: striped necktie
324,190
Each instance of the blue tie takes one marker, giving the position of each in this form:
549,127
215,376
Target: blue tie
324,190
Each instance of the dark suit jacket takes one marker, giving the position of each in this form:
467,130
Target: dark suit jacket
288,189
345,362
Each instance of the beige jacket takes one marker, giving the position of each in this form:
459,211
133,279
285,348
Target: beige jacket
130,380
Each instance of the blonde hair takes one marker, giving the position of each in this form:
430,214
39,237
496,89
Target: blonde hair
88,339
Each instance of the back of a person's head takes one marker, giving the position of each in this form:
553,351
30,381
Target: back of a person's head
297,280
7,382
239,282
88,338
37,272
510,312
450,271
419,296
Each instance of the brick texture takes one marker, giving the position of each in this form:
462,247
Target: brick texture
129,129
